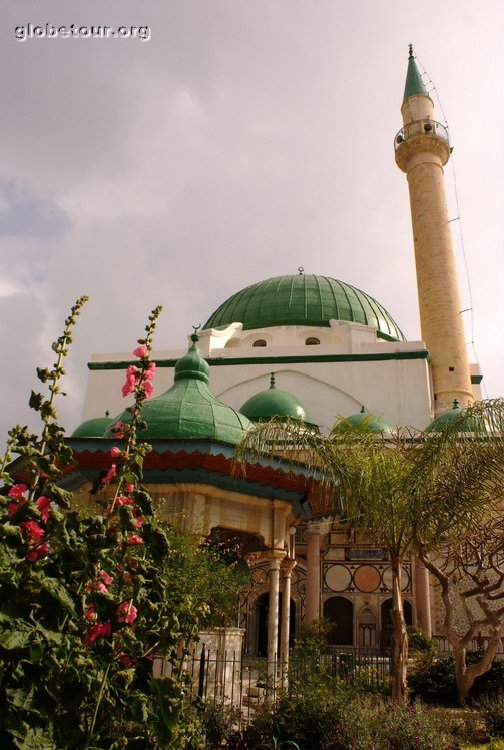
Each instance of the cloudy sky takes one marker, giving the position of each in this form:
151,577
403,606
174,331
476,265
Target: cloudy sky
243,139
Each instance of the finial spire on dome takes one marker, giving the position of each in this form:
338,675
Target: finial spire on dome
414,83
272,381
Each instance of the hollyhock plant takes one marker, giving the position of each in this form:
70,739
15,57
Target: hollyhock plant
134,539
148,388
100,630
115,452
118,430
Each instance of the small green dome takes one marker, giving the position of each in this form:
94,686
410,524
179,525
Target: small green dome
364,420
93,428
455,413
303,299
188,410
274,403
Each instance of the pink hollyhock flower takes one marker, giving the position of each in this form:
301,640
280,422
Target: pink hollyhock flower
100,630
135,539
129,487
125,660
106,577
127,389
90,613
13,508
41,550
100,586
17,491
118,430
140,351
32,531
125,500
132,373
127,577
44,505
147,388
126,613
150,371
139,521
110,474
115,452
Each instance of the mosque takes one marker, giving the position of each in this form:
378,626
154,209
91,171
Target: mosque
310,348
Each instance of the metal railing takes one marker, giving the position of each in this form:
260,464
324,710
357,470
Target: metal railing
421,127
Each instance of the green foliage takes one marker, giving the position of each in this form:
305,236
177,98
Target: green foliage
492,709
346,722
434,682
85,599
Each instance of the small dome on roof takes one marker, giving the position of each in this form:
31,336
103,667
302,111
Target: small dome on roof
93,428
188,410
455,413
274,403
303,299
364,420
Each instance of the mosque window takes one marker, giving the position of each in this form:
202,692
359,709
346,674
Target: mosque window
312,341
259,342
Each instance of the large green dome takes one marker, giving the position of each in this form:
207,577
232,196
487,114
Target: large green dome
303,299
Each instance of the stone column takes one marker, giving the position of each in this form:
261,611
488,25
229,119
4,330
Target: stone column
275,561
422,598
312,601
287,568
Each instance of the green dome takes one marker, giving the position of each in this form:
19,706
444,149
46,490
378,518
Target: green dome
364,420
188,410
455,413
303,299
93,428
273,403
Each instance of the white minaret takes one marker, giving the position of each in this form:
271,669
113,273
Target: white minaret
422,149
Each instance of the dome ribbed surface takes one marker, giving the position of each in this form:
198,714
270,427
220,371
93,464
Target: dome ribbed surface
93,428
456,415
365,420
188,410
303,299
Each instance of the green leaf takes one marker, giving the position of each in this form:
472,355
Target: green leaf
13,639
36,401
35,739
56,590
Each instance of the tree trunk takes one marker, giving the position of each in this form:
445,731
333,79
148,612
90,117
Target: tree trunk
400,638
465,674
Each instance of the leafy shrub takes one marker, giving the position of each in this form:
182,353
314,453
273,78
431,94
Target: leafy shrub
435,684
492,710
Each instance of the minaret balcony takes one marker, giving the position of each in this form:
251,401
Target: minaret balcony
420,136
421,127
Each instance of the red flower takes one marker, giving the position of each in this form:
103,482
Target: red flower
148,388
118,430
140,351
90,613
135,539
110,475
44,505
129,487
13,508
17,491
125,660
115,452
100,630
41,550
106,577
32,531
126,613
121,500
149,372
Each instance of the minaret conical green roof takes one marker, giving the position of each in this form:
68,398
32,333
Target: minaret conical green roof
414,83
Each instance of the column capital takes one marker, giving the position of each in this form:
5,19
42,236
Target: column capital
287,566
275,557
